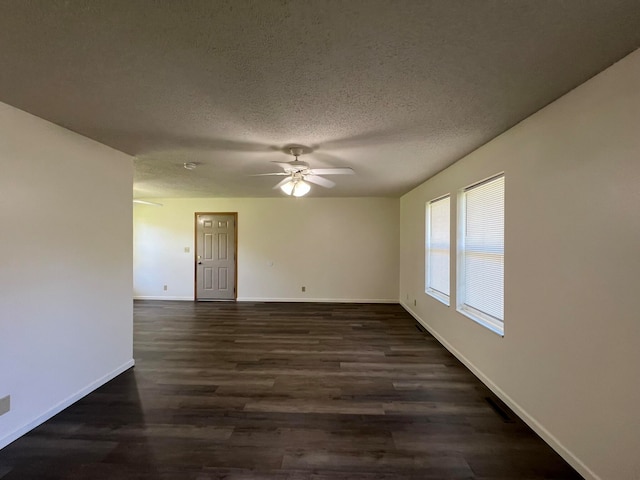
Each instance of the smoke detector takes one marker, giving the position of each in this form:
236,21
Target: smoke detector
190,165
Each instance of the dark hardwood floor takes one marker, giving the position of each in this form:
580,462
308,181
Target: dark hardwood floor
284,392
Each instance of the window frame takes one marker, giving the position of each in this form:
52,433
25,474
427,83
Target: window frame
429,290
485,319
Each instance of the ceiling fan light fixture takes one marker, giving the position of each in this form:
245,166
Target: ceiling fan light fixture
301,188
288,187
296,187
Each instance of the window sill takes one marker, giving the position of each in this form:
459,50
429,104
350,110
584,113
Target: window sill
441,297
496,326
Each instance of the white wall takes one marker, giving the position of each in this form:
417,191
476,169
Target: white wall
340,249
570,358
65,268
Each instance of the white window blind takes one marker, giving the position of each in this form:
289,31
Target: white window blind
481,279
437,251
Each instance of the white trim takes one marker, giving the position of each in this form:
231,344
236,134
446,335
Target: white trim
13,436
482,182
536,426
319,300
478,316
163,297
271,299
441,297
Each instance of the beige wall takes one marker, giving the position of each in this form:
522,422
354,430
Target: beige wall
340,249
570,358
65,268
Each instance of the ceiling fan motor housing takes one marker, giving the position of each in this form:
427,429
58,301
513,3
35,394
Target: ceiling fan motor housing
298,166
296,151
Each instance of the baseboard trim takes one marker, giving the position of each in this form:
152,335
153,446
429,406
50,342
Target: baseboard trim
16,434
318,300
288,300
536,426
165,297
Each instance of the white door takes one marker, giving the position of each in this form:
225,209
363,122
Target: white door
215,256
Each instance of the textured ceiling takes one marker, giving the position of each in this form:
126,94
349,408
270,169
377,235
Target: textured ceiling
396,90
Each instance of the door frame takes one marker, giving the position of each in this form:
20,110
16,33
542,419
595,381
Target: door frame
195,251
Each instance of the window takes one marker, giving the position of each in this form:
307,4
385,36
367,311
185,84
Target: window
481,253
437,249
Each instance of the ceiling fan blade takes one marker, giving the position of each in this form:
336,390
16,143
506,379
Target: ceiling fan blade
281,183
332,171
279,174
147,202
323,182
294,164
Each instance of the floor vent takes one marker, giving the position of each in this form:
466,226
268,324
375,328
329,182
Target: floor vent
500,410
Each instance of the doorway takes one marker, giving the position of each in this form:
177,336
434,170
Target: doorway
215,256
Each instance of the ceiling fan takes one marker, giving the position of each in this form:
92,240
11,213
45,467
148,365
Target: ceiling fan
300,175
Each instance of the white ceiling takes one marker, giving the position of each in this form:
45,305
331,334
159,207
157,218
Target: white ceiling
395,89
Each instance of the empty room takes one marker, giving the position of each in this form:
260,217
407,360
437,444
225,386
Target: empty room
319,239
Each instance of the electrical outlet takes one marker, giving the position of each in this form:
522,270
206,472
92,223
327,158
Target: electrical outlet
407,297
5,404
187,249
165,288
304,289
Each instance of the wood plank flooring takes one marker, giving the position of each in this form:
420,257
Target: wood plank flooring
278,391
